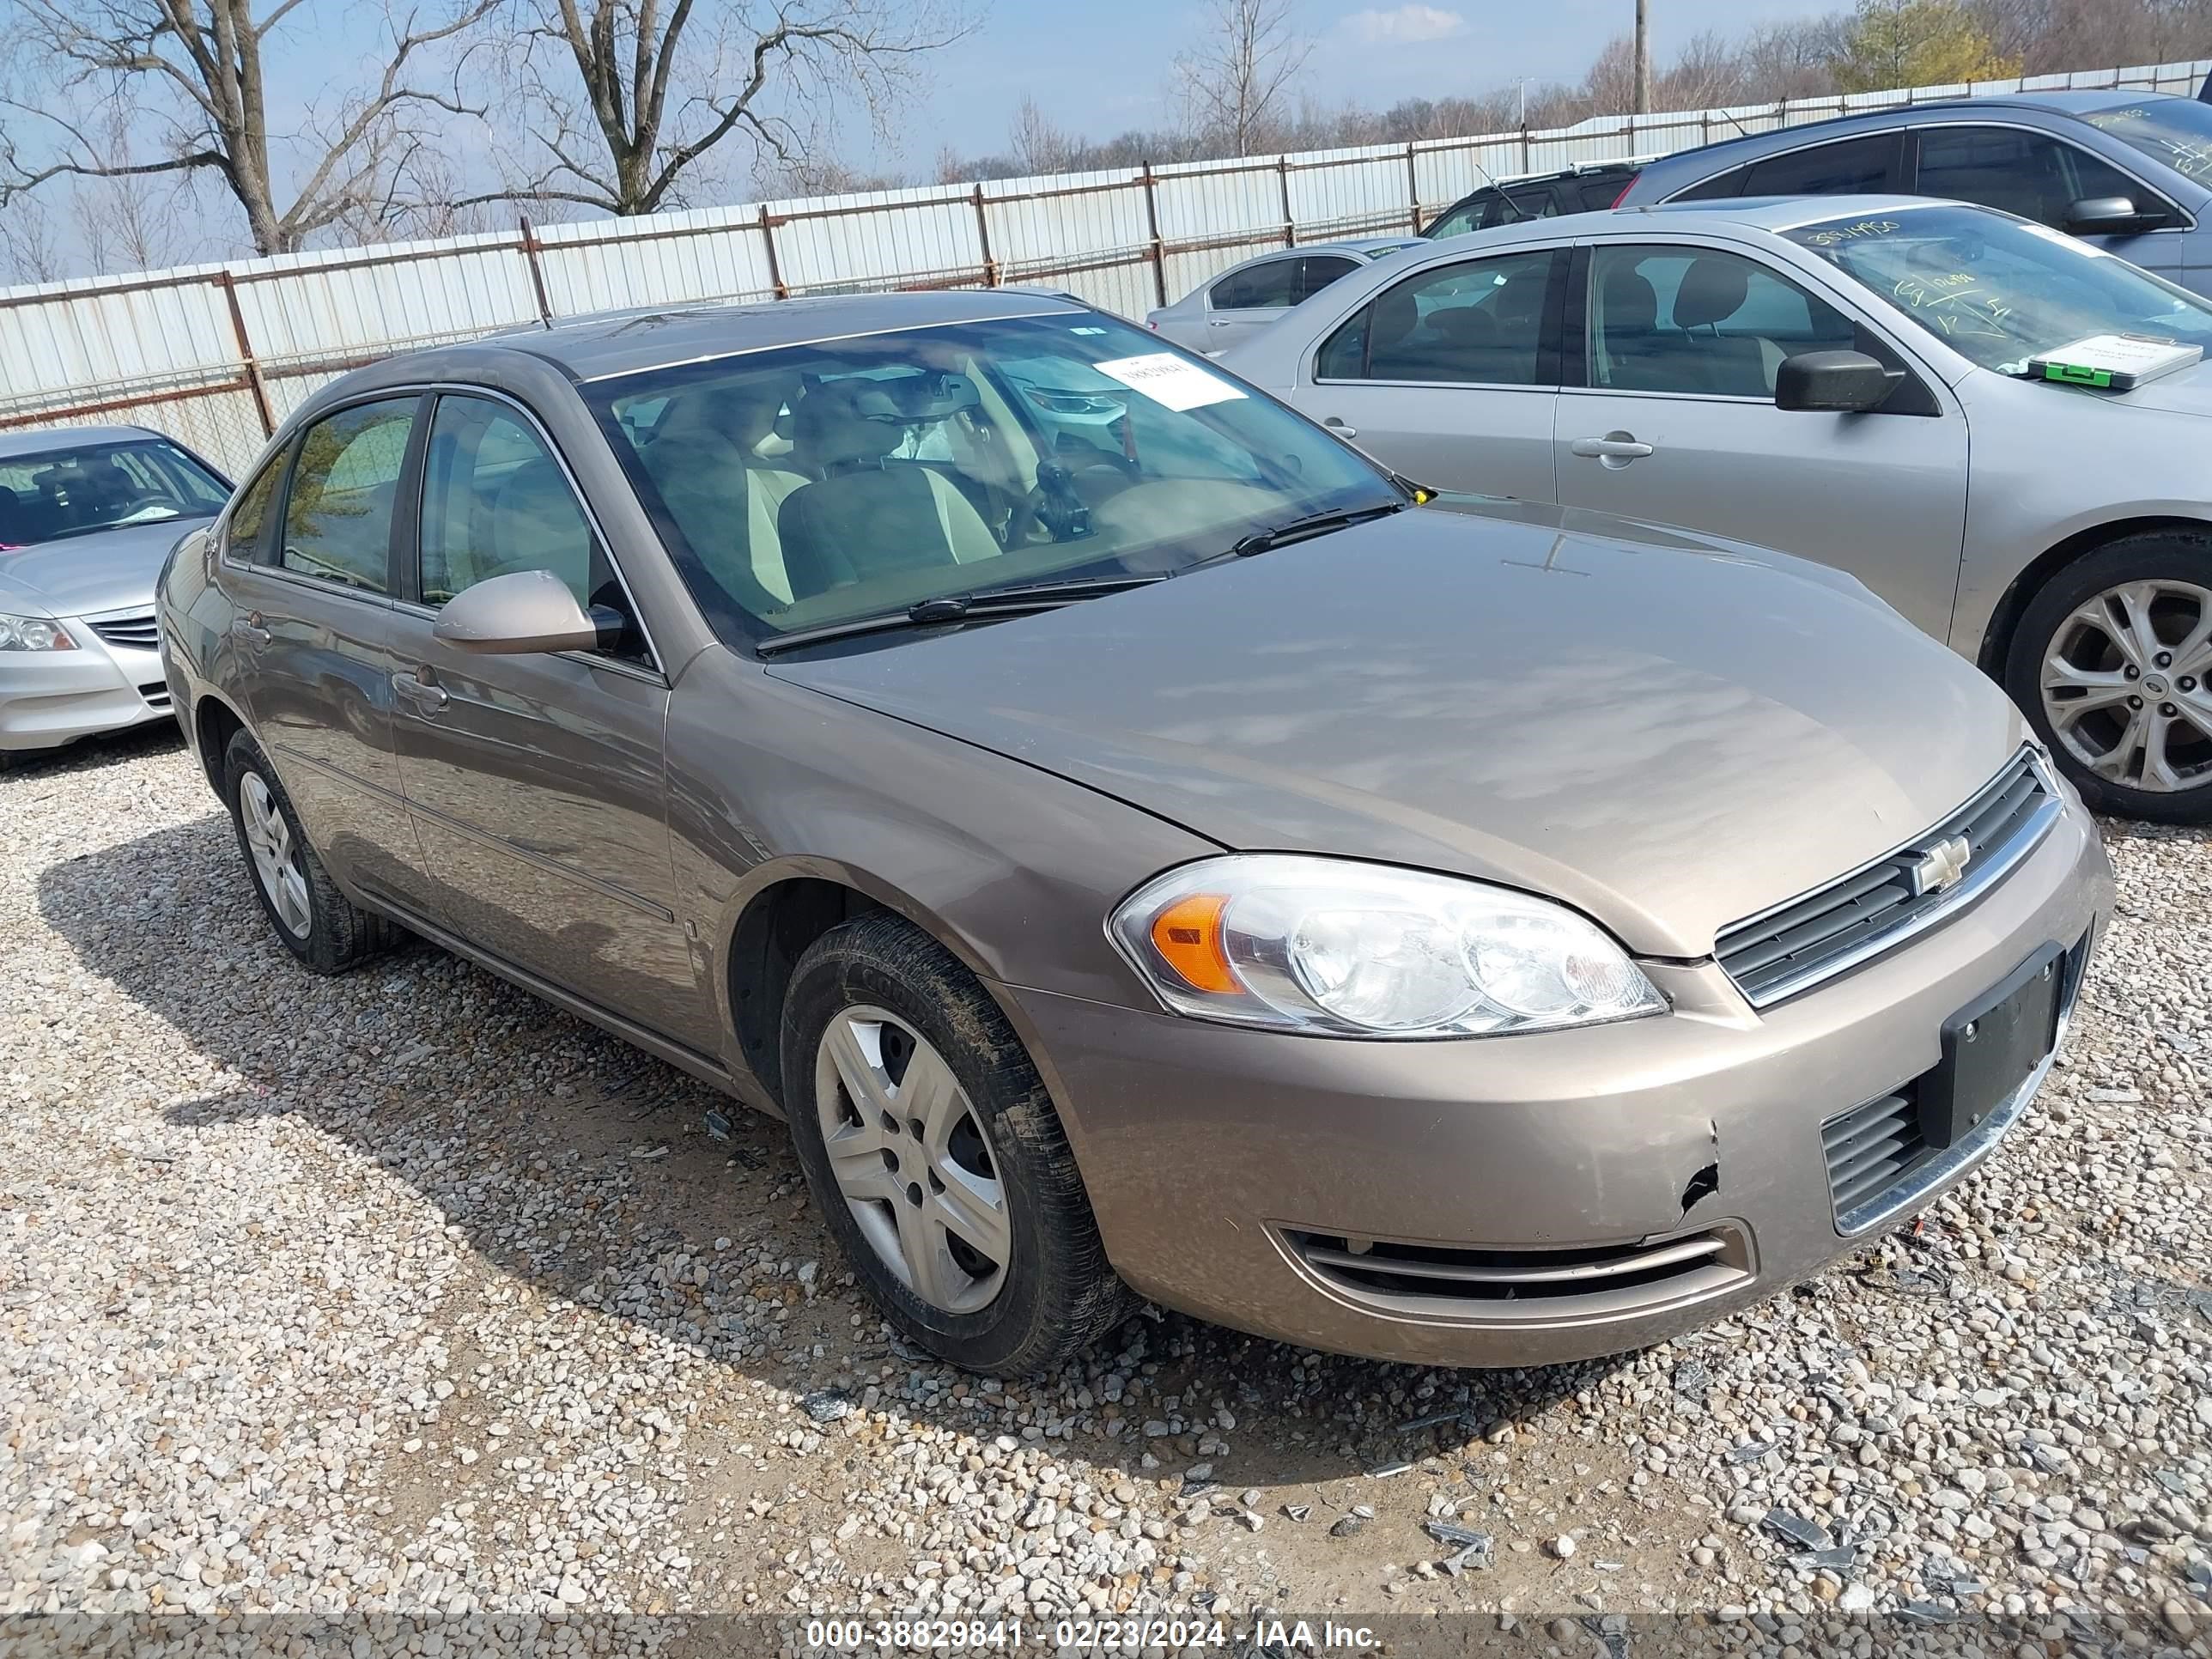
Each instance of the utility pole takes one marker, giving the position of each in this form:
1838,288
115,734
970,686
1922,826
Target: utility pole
1642,57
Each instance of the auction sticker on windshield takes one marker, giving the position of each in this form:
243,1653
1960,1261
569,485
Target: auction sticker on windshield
1169,379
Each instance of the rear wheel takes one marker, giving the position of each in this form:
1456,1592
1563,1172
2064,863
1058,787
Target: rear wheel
316,922
2112,662
933,1150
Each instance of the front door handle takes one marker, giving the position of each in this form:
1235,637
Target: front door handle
424,695
1338,428
1614,449
249,629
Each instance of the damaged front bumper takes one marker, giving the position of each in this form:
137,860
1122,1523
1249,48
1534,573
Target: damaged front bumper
1532,1200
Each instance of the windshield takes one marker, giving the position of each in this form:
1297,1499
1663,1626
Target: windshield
1999,290
64,492
801,488
2177,131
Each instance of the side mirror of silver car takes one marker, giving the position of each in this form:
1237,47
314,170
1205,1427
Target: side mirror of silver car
1842,382
523,611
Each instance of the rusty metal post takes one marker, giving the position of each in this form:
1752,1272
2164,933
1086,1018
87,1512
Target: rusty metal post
537,271
1152,228
1413,191
222,280
774,265
983,241
1283,177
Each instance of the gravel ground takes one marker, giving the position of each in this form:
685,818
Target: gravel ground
404,1298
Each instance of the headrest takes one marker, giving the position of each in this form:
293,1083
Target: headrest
1631,304
832,429
743,413
1397,314
1713,290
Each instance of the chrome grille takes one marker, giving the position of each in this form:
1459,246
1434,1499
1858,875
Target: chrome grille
134,630
1620,1277
1819,934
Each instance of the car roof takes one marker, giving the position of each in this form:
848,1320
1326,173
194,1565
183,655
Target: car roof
41,440
1767,213
1719,154
623,342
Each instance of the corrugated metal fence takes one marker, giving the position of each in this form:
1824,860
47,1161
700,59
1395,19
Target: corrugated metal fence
216,355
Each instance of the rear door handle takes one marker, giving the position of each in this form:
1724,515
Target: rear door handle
250,629
426,697
1338,428
1616,446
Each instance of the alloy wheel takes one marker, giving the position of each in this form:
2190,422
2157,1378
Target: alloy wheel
911,1159
2125,684
276,860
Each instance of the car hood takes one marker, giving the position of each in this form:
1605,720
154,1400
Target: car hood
84,575
2184,391
1667,733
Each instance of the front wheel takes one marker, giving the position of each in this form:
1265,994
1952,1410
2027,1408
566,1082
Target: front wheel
2113,663
932,1146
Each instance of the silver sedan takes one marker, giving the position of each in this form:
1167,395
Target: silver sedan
1225,308
87,516
1930,395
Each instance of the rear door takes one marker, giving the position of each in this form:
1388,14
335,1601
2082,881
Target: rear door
311,579
1676,345
536,780
1450,375
1248,297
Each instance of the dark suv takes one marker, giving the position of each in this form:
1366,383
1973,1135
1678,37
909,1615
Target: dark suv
1577,189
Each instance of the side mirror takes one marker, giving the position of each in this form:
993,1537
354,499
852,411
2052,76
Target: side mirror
523,611
1841,382
2109,215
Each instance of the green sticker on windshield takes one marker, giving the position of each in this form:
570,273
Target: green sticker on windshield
2077,375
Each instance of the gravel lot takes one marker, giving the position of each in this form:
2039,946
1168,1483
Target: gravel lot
403,1294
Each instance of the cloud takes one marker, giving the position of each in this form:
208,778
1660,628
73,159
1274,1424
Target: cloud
1406,25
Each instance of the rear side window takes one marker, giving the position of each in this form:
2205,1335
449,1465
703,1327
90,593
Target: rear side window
1477,324
2030,173
1715,188
249,519
1269,286
1598,194
337,513
1317,270
1849,167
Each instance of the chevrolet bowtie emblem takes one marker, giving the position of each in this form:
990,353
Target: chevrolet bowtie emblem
1942,866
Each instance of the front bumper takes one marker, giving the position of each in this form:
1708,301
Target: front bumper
1605,1189
48,698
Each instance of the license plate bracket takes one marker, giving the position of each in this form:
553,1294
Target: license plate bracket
1991,1047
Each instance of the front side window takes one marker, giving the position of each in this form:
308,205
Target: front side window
82,489
2016,170
813,485
1478,322
1699,322
1852,166
1270,285
2000,292
339,508
494,501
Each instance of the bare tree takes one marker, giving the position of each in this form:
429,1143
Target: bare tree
191,80
1038,145
29,250
626,100
1237,82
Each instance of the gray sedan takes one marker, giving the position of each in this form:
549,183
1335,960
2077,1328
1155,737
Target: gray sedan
1864,381
1214,871
1225,308
86,515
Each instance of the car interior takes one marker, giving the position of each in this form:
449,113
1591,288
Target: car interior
1689,322
45,497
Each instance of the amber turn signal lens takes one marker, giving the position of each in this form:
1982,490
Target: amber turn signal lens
1188,935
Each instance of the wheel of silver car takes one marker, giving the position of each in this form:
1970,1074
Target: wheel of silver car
933,1149
912,1163
309,914
2113,662
270,849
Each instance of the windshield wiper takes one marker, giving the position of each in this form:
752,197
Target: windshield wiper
1319,523
1011,600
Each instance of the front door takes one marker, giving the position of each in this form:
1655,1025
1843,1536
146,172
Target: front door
536,780
308,566
1450,375
1677,424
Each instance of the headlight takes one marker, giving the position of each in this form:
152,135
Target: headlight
33,634
1359,949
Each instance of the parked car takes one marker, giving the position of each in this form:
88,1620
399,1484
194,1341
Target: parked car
1587,188
86,515
2131,171
1682,365
1218,875
1222,309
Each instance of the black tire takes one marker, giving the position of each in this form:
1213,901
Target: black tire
1058,1293
340,935
2169,555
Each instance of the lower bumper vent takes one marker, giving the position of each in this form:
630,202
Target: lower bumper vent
1599,1280
1872,1148
157,694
